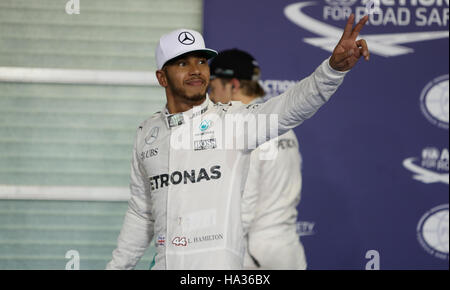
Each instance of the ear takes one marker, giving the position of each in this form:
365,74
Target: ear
162,78
235,85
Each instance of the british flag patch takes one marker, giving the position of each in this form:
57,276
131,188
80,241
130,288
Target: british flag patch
161,241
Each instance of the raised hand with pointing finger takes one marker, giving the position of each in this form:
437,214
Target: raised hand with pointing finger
348,51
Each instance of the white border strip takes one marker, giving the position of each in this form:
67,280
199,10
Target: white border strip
77,193
73,76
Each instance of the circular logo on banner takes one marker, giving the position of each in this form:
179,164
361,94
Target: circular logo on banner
186,38
434,102
432,231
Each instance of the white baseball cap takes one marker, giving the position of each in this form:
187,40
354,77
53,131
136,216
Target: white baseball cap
179,42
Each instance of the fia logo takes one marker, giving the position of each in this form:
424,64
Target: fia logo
431,167
384,44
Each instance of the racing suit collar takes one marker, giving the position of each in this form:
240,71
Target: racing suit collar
257,100
175,120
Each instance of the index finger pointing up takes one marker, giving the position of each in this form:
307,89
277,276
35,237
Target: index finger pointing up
359,26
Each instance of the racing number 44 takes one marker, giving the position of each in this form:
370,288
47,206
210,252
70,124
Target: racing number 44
179,241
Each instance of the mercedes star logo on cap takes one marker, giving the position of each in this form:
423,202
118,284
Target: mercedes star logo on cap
186,38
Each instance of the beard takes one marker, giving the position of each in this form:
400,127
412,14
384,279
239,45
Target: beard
181,93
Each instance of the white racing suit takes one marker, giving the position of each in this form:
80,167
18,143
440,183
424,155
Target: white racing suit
269,208
190,199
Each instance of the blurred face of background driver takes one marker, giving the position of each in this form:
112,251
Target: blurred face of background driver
219,92
187,77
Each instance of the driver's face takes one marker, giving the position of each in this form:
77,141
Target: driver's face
188,77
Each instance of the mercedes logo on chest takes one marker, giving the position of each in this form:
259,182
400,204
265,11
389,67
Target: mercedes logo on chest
186,38
152,136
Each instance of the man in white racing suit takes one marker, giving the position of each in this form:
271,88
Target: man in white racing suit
272,190
186,183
